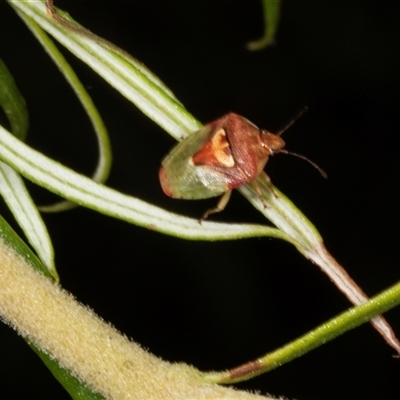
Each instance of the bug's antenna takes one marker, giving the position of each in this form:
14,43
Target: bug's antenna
321,171
292,121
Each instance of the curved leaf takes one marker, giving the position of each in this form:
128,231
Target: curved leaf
105,157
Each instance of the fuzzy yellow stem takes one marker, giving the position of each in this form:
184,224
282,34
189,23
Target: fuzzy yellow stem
95,352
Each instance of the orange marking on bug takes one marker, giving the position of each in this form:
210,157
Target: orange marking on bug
216,152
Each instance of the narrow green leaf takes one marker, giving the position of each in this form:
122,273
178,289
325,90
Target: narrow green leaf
13,104
76,389
19,246
20,203
271,11
82,190
127,75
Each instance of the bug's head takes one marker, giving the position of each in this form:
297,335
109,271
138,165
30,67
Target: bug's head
271,143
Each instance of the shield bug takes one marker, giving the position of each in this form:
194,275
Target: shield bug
223,155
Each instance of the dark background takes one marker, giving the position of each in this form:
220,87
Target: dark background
216,305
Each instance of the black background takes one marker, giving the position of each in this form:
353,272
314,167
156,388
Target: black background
216,305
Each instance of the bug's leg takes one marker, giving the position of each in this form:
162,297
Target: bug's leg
223,201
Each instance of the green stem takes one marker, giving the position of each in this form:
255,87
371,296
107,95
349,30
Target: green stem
326,332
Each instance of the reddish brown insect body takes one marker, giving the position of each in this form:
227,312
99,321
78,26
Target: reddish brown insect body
223,155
